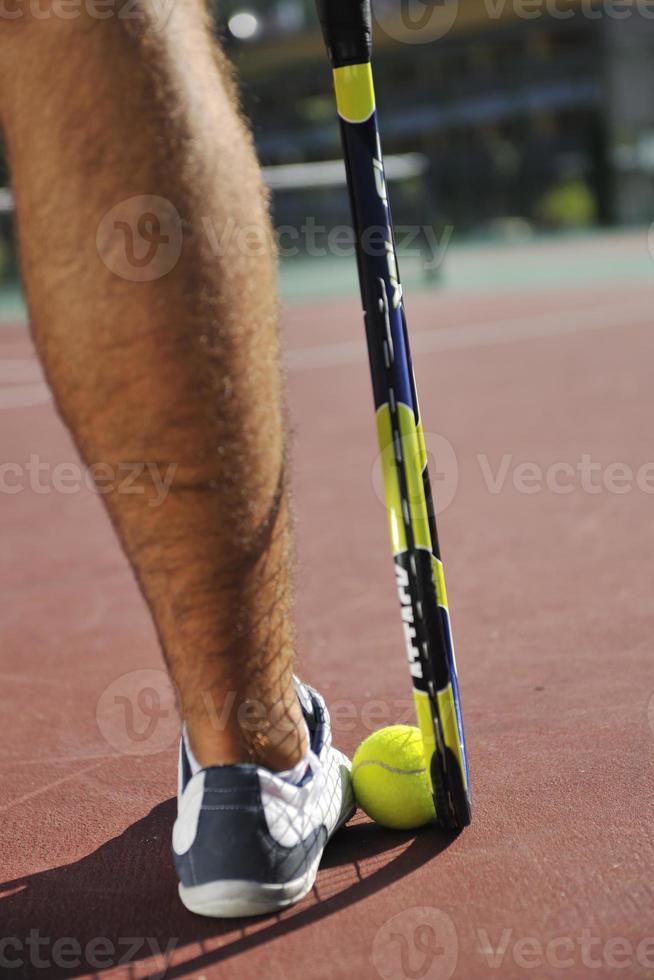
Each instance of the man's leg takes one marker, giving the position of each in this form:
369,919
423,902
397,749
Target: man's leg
181,371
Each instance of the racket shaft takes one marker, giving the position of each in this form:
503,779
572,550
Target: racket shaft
419,574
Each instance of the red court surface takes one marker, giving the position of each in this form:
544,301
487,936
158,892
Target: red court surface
550,580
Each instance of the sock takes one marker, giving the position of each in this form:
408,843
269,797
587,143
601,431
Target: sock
294,775
298,772
192,761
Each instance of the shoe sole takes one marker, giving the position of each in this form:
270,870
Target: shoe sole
234,898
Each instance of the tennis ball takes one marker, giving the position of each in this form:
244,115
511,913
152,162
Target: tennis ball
390,778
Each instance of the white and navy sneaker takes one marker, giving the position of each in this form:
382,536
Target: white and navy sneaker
248,841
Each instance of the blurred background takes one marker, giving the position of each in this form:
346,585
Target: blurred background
519,141
504,122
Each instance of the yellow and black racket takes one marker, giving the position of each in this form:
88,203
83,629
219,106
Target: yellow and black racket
346,27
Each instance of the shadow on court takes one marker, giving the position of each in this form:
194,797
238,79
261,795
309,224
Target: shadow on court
118,907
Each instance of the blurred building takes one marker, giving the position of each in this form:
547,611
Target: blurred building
529,114
540,110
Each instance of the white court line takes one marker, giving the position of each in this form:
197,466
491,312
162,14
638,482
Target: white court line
486,334
100,760
8,762
48,786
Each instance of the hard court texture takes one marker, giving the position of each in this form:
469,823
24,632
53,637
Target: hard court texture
538,405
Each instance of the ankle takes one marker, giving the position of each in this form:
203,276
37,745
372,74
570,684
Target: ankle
278,746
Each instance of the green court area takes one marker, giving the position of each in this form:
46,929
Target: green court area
483,266
12,305
523,263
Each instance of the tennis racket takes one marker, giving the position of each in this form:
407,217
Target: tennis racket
346,26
